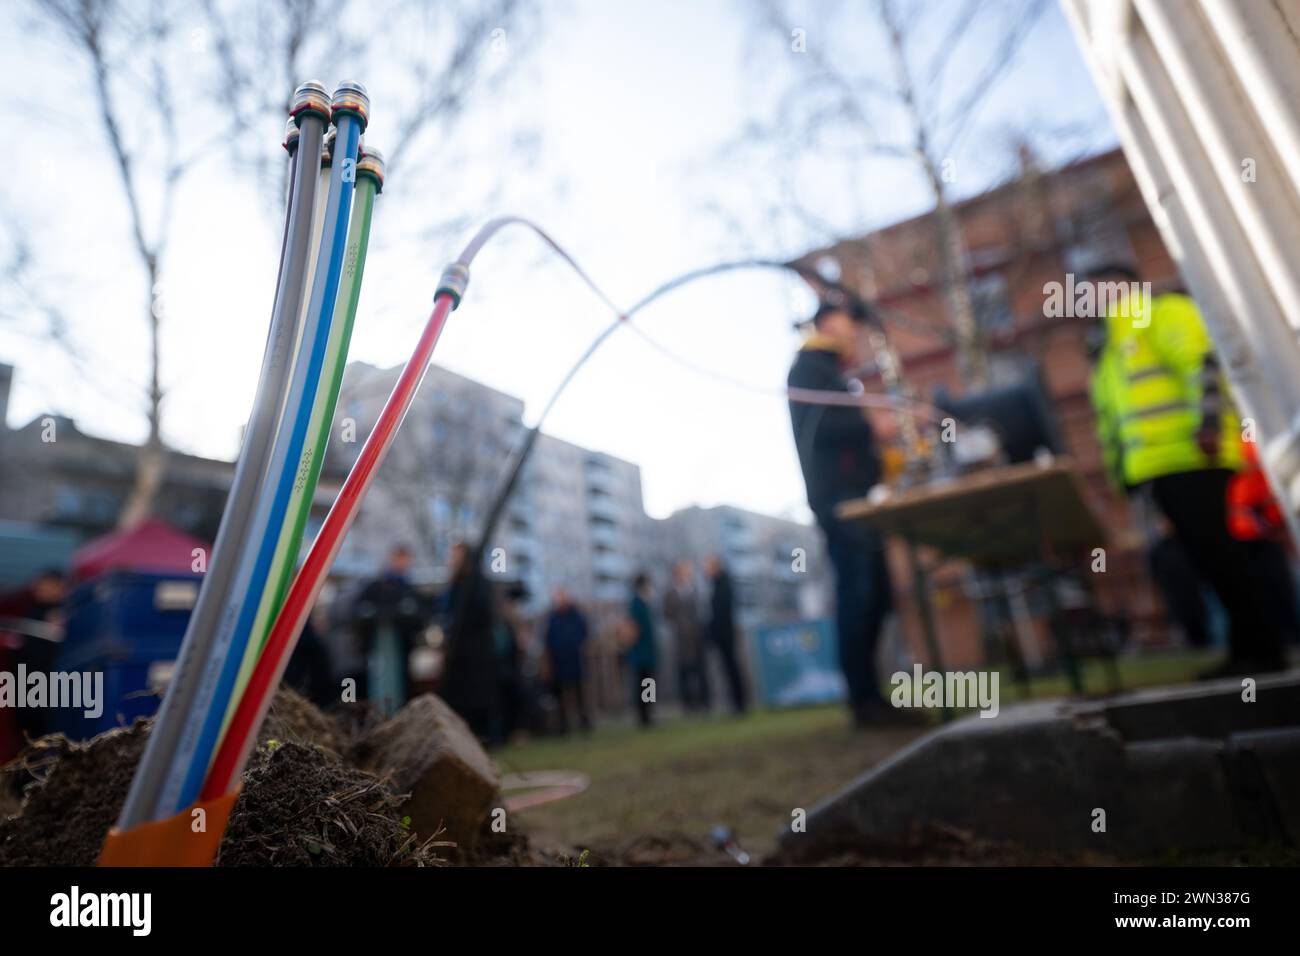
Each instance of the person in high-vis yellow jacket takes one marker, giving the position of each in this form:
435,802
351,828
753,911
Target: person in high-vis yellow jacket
1169,432
1161,405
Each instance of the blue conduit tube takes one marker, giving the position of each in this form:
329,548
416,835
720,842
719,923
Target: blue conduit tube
199,741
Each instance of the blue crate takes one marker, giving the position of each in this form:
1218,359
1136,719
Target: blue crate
129,626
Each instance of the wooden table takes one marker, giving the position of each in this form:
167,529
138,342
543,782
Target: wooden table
997,519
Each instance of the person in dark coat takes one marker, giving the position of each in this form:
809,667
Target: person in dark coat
681,607
722,631
387,619
509,644
469,677
840,460
310,671
642,653
566,640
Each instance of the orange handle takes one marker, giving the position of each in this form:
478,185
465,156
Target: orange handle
186,839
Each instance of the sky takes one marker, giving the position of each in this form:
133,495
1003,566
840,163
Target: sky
636,106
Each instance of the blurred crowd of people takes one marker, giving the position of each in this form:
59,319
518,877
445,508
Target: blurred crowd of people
506,672
509,674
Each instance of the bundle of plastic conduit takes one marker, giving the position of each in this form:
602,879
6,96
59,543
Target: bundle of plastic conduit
161,824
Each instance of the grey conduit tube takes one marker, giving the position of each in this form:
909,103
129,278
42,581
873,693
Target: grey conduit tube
311,111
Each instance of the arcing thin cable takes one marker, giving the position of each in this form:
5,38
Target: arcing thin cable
493,226
198,742
805,396
811,396
311,113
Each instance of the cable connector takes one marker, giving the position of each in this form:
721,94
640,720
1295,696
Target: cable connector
351,97
454,280
311,98
327,148
372,164
291,136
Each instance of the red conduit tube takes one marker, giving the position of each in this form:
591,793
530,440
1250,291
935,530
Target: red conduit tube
242,733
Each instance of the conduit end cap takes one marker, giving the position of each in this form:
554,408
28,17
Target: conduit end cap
351,97
310,98
453,282
291,136
327,148
371,164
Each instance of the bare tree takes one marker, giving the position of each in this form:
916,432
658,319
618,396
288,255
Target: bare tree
148,64
101,34
419,471
900,110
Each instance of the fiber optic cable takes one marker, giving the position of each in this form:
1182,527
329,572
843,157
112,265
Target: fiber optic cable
322,198
369,182
198,740
313,256
310,111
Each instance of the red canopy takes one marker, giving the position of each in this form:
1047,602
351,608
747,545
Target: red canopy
151,545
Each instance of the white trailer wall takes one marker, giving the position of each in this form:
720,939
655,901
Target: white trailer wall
1205,96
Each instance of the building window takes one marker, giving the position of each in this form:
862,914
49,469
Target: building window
992,302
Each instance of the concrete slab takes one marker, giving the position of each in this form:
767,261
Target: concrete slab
1179,768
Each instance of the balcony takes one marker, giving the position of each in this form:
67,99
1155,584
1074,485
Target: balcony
604,534
603,508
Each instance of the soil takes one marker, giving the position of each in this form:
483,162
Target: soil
73,799
294,719
301,804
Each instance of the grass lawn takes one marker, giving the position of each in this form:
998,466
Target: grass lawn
684,776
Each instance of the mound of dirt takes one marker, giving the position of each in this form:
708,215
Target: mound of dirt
302,804
294,719
77,794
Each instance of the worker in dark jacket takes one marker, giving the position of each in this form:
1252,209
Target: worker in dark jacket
566,643
469,676
641,650
840,460
722,630
681,609
387,618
